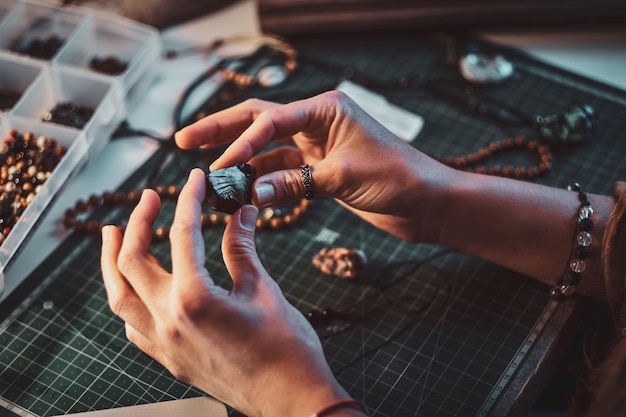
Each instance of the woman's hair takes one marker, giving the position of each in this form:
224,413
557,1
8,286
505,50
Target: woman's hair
604,393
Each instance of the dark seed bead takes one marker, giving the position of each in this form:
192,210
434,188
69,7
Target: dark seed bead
574,278
582,252
586,224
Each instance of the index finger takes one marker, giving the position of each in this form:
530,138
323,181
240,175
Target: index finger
222,127
304,116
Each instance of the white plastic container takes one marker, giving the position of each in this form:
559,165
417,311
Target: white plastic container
44,81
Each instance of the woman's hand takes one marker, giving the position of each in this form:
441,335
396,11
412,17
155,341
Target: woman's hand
247,347
352,158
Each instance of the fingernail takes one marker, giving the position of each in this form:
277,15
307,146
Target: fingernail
106,233
265,193
249,214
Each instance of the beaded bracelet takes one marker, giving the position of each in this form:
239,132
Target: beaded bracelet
338,405
566,286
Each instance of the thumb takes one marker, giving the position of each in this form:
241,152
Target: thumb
280,187
239,250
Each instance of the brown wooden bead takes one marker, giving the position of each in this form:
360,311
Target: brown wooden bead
92,226
161,232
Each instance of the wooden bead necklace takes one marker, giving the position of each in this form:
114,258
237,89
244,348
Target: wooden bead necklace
269,218
471,161
27,161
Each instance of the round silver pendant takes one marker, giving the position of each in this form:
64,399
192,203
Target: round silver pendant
271,76
483,69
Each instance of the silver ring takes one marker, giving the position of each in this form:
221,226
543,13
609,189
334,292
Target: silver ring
307,181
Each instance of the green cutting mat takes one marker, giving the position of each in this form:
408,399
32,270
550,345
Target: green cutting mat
434,332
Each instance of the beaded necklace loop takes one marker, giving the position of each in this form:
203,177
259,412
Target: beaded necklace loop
465,163
273,219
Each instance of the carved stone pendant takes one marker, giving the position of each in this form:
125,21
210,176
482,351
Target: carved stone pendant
227,189
340,262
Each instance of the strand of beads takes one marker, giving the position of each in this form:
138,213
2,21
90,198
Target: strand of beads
270,218
566,285
466,163
26,162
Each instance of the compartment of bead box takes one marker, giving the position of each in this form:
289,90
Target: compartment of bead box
76,99
30,175
36,30
16,77
98,42
112,46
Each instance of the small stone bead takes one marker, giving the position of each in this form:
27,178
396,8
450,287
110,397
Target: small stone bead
582,252
577,265
276,223
583,238
555,293
289,220
161,232
567,290
261,223
586,224
573,278
585,212
172,191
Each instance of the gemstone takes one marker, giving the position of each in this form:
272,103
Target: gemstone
227,189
